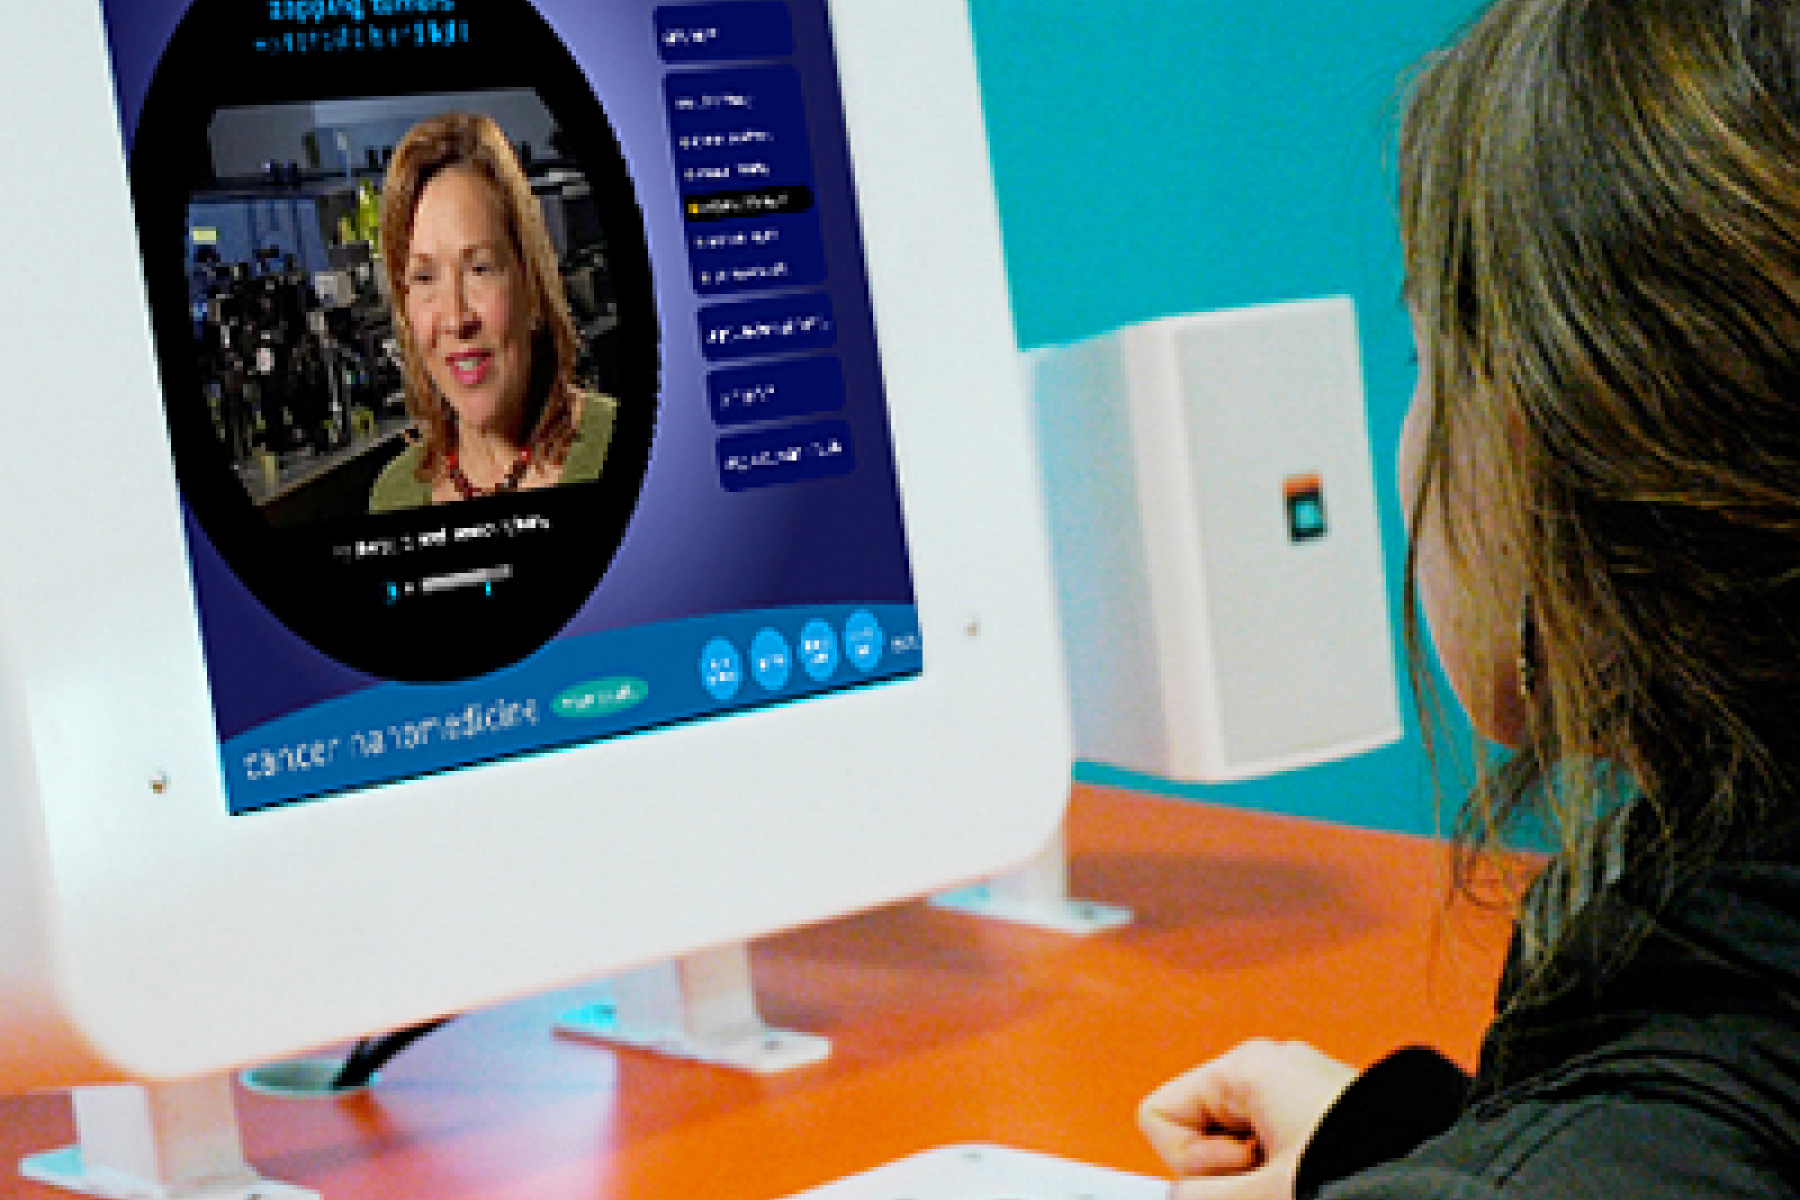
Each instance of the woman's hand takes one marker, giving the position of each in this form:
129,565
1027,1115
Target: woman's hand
1234,1128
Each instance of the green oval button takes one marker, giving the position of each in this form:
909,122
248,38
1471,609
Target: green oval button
601,699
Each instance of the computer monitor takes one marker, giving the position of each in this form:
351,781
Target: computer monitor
279,770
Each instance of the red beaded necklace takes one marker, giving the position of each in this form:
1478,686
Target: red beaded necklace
466,488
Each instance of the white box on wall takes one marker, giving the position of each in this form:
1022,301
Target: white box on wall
1217,550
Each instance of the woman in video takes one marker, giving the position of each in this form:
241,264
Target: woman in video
1600,207
487,340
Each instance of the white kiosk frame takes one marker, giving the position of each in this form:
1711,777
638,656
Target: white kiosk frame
149,936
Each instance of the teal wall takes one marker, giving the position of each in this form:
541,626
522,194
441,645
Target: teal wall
1165,156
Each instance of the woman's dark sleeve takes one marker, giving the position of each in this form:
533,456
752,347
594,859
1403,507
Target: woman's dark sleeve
1410,1096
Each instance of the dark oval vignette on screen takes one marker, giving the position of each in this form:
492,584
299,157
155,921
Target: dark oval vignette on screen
337,603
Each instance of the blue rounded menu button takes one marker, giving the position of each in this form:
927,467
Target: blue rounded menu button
721,670
863,637
771,660
818,650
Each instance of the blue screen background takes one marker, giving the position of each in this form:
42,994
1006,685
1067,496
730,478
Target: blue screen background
829,541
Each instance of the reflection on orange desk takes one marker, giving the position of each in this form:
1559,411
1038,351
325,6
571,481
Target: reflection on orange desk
945,1029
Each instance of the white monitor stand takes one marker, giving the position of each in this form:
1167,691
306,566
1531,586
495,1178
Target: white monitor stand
221,845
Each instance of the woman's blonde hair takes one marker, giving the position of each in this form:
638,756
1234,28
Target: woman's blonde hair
477,142
1600,206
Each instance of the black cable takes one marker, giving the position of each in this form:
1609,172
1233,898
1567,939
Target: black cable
371,1054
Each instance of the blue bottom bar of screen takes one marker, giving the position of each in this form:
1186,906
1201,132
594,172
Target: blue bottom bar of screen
573,691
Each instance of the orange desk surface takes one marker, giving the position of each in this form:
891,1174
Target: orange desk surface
945,1029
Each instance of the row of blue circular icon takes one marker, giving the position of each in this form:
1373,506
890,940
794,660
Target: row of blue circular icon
772,660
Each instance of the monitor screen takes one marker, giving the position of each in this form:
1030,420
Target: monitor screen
712,520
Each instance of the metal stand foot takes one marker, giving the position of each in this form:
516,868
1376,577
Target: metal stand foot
701,1008
165,1141
1037,894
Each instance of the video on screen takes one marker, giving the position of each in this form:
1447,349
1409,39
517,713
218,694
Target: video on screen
326,399
408,333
